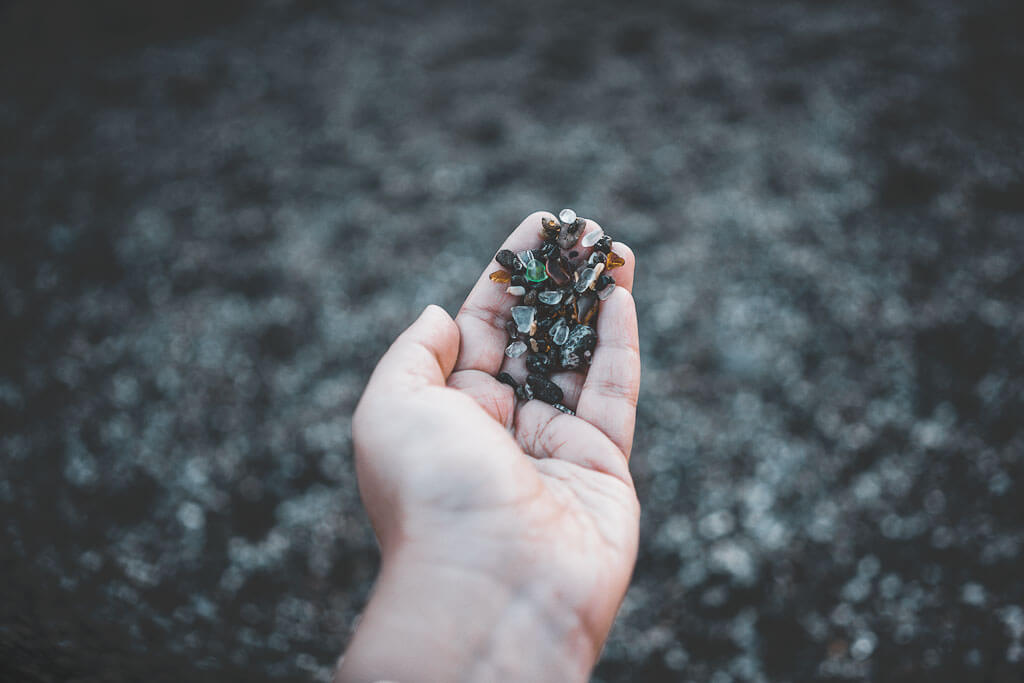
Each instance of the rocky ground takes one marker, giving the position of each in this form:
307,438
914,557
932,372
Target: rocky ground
216,219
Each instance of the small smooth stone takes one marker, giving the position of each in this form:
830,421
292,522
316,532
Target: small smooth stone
518,280
524,392
558,270
549,228
544,389
531,298
586,307
604,244
570,234
615,261
567,216
515,349
512,329
550,297
587,279
500,276
506,259
538,363
525,317
591,238
536,271
581,340
559,332
516,290
506,378
567,411
603,294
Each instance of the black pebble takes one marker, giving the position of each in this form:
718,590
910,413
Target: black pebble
523,392
604,245
603,282
506,259
538,363
544,389
519,281
506,378
573,253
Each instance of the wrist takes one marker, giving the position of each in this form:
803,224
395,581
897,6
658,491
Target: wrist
430,621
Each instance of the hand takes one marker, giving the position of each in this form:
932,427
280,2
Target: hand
508,535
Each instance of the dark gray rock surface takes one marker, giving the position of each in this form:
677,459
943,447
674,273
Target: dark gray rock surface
216,216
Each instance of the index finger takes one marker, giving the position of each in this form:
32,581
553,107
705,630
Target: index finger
481,319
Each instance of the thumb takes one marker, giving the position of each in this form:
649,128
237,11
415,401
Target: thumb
423,355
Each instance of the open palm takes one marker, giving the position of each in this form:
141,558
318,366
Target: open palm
454,474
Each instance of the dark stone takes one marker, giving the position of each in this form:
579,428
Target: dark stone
603,282
506,259
582,338
506,378
538,363
524,392
518,280
559,270
604,245
512,329
544,389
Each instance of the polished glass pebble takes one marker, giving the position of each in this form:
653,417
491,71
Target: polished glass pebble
559,332
500,276
615,261
586,307
587,279
550,297
525,257
516,290
515,349
558,270
525,317
536,271
591,238
567,216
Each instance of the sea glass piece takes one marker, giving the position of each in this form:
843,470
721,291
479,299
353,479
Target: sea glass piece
570,234
500,276
550,297
525,317
587,279
567,216
591,238
525,257
515,349
536,271
586,307
559,332
615,261
558,270
516,290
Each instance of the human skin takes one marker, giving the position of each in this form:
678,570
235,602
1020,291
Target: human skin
508,535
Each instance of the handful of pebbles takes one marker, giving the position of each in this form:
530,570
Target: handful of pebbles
559,289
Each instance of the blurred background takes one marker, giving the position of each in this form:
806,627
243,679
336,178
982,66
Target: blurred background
216,215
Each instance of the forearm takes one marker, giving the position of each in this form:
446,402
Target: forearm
430,623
